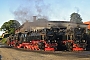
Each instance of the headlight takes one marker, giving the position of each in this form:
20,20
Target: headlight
77,41
55,41
48,40
83,41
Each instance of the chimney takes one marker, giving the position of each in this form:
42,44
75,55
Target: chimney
34,18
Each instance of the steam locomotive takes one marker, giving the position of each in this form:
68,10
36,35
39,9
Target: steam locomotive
51,39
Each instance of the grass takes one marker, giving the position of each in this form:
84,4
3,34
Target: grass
4,40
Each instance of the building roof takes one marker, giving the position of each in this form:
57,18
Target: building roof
40,23
88,22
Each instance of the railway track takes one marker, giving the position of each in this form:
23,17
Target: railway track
3,45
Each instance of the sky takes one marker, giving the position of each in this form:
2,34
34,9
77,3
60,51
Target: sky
57,10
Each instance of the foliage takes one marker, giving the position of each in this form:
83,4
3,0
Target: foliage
4,40
75,18
89,32
10,26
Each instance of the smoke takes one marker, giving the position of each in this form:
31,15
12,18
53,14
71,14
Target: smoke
32,8
22,14
40,7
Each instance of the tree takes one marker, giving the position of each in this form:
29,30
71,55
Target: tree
88,31
75,18
10,26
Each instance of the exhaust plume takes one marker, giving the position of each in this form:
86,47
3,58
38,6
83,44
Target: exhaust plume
36,8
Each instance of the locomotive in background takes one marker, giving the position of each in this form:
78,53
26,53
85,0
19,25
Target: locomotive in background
50,36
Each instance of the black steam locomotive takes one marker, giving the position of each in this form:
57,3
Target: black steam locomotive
51,39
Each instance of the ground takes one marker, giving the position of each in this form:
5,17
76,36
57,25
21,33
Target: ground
13,54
